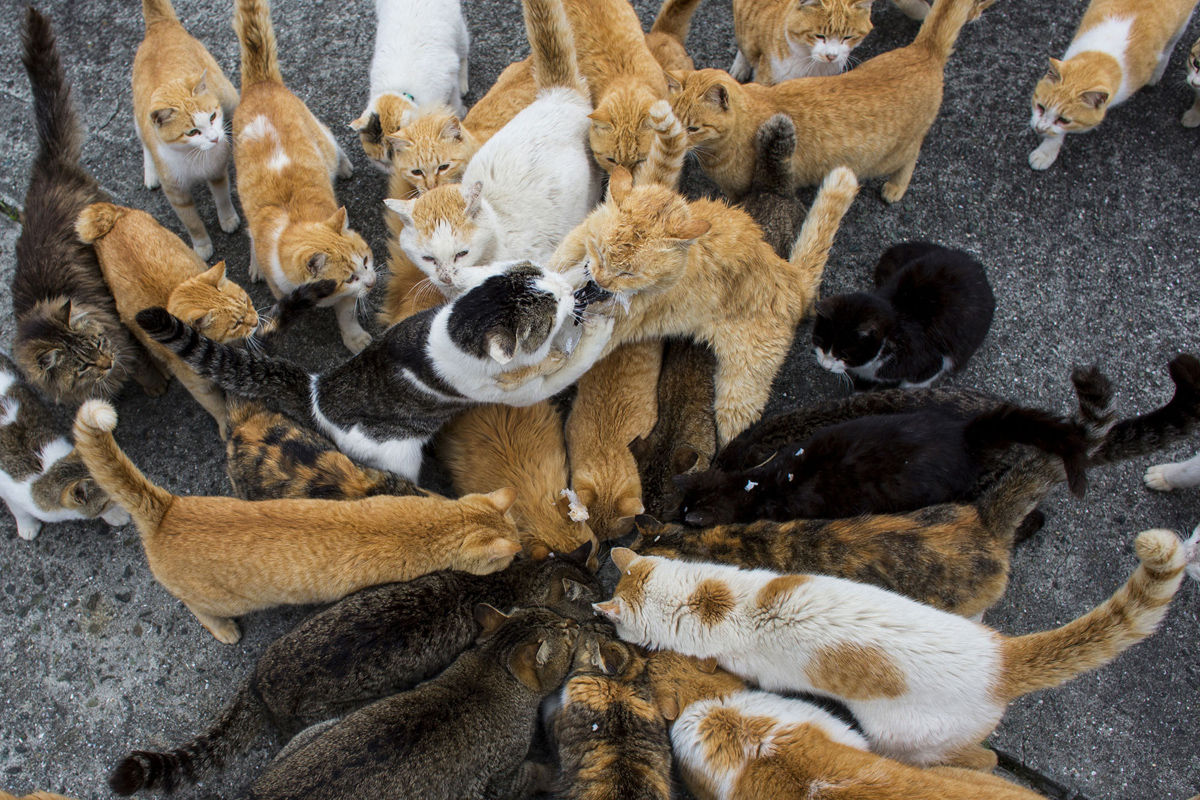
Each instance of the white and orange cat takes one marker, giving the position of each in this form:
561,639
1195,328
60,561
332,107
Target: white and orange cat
1119,47
181,100
286,161
926,686
1191,117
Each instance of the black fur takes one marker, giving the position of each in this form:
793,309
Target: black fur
507,308
772,200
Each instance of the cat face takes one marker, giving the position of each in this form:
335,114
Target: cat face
65,348
830,29
328,250
68,486
431,150
490,538
386,114
214,305
186,116
1070,98
443,234
707,103
850,330
535,644
620,134
713,497
1193,67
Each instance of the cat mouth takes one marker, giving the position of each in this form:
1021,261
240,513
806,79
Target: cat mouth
590,293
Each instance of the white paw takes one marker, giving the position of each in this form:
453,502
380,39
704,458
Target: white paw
1156,478
1042,159
29,530
345,168
356,341
231,223
151,181
741,69
203,248
1191,118
116,517
661,118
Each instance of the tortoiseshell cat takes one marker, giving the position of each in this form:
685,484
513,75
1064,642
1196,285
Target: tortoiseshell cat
372,644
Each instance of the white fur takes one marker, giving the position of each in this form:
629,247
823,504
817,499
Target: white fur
401,456
258,128
1112,37
1180,475
421,49
823,58
18,494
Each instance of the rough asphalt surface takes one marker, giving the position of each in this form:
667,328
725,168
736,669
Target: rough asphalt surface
1092,261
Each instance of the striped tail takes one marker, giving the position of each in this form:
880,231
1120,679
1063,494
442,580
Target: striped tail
664,162
775,145
59,134
260,61
113,471
553,44
811,250
1148,433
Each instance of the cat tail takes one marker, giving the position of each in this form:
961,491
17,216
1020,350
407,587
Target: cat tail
940,29
59,135
811,250
664,162
158,11
1047,659
112,469
1147,433
1010,424
260,61
675,18
238,726
97,220
553,45
775,145
286,311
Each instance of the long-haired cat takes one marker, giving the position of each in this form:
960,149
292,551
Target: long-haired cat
1119,47
286,161
69,341
372,644
1191,117
779,40
41,476
894,98
464,735
147,266
702,270
225,557
926,686
181,100
930,311
772,200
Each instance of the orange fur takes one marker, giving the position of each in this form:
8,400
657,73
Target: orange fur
767,29
35,796
669,33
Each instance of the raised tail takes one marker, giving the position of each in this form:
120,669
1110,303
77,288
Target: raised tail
97,220
775,145
1010,424
1147,433
675,18
811,250
553,45
238,726
59,134
1047,659
112,469
664,162
158,11
260,61
940,29
276,383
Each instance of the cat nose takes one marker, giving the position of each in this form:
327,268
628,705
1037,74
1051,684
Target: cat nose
831,57
369,280
103,362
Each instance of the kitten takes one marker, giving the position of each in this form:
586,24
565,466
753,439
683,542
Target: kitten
431,367
783,39
1191,117
772,200
181,99
931,309
702,270
684,438
463,735
147,266
372,644
431,68
41,476
617,403
286,161
1119,47
224,557
926,686
669,34
894,97
494,446
69,341
1180,475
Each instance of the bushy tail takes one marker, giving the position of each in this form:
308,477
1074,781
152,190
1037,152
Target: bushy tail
811,250
1010,424
1047,659
238,726
664,162
59,135
260,61
553,45
112,469
158,11
97,220
775,145
1148,433
941,28
675,18
276,383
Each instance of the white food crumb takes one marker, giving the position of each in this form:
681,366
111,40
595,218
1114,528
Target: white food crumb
595,727
750,485
800,451
577,511
790,476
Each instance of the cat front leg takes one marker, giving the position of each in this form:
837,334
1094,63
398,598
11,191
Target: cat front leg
1191,117
226,214
149,171
185,208
28,525
353,335
1180,475
741,71
1046,152
897,183
224,628
746,365
913,9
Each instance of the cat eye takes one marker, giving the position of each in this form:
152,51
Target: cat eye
693,128
1063,121
457,256
610,159
1040,109
430,259
820,39
352,279
1196,63
417,173
194,132
213,117
443,167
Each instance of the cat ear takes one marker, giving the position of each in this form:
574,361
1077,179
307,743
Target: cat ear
587,496
501,346
622,557
824,308
452,130
202,322
611,658
601,116
683,459
646,521
316,263
620,184
629,507
201,85
48,360
639,448
864,5
674,82
573,590
1094,99
215,275
365,121
583,553
503,499
691,231
161,116
473,195
543,653
718,96
339,222
609,608
76,316
539,552
402,208
501,549
526,660
489,618
668,705
62,314
79,492
399,143
1054,74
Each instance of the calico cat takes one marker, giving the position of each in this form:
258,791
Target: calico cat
931,309
926,686
372,644
684,437
617,403
181,100
286,161
772,200
702,270
224,557
147,266
431,70
1119,47
1191,117
41,476
779,40
464,735
894,96
69,341
432,366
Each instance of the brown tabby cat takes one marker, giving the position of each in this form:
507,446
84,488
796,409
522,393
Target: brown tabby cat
224,557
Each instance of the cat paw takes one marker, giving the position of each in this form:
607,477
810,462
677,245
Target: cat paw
226,631
913,9
28,529
116,517
153,383
1039,159
892,193
151,181
345,168
741,71
1156,478
356,341
1191,118
231,223
661,117
203,248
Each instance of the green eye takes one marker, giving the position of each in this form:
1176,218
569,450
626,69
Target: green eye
194,132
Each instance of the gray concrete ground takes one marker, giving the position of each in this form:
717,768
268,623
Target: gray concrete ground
1095,260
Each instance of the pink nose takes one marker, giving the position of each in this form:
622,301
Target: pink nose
831,57
369,281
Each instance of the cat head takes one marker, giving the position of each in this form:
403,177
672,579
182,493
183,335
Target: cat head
850,330
489,535
328,250
611,490
1193,67
71,350
386,113
707,102
677,681
185,115
535,645
214,305
431,150
66,485
599,653
1072,97
831,29
564,582
620,134
657,467
447,231
712,497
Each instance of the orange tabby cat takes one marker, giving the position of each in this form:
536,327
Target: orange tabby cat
702,270
669,33
146,266
893,99
286,161
224,557
617,403
180,102
783,39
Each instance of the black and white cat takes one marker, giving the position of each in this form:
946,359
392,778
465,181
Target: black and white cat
382,405
930,311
